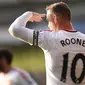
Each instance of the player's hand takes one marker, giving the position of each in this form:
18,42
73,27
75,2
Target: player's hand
36,17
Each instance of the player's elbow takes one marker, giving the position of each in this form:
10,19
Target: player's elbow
14,31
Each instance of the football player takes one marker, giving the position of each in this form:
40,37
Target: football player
63,46
10,75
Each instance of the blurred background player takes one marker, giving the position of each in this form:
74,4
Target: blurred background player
63,46
10,75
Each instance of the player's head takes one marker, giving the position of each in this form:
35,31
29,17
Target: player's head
57,13
5,58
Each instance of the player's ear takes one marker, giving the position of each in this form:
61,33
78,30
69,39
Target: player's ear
55,18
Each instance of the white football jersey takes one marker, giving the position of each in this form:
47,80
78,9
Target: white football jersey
17,77
64,51
64,57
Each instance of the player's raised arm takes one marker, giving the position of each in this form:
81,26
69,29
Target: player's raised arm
18,29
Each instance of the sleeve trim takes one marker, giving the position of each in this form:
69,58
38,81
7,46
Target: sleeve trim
35,38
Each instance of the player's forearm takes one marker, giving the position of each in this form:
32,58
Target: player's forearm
18,29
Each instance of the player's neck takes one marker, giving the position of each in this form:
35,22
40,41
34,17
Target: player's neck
66,26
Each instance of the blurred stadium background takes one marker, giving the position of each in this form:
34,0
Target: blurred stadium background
28,57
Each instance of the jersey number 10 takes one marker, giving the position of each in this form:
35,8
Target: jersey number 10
73,67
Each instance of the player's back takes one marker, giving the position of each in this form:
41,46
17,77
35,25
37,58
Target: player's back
65,58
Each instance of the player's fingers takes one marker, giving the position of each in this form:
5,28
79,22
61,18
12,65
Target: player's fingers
38,19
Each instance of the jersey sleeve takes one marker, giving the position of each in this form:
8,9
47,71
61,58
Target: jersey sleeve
18,28
19,31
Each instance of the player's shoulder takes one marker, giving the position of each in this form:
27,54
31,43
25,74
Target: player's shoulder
13,76
16,74
49,32
46,31
19,72
23,74
13,73
82,34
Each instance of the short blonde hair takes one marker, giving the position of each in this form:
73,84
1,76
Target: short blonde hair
60,8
